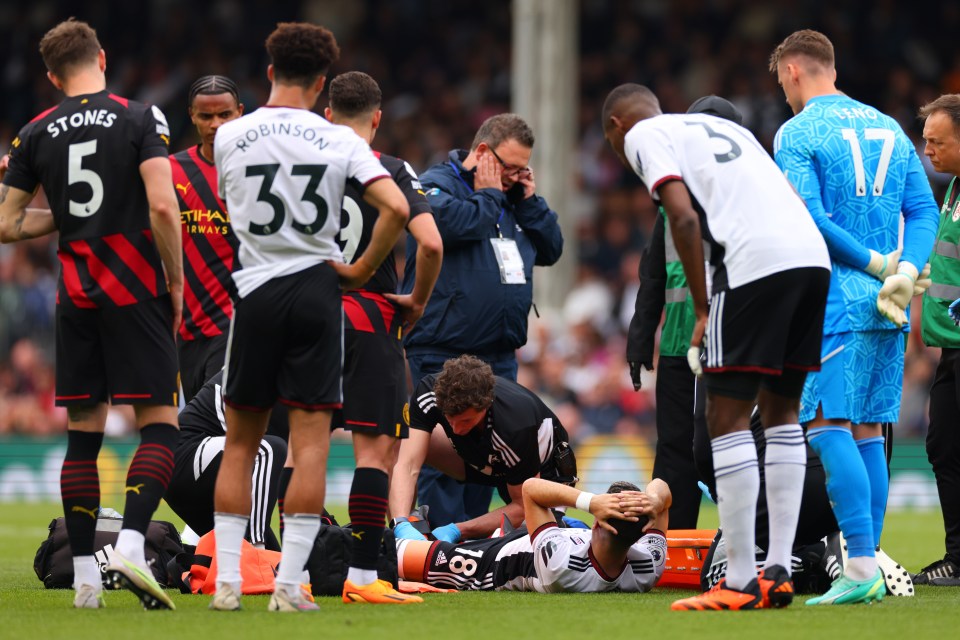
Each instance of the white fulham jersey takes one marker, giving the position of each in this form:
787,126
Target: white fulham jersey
564,562
754,221
282,173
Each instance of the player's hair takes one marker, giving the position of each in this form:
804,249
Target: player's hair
949,104
806,42
497,129
354,93
212,86
70,44
627,532
301,52
629,91
464,383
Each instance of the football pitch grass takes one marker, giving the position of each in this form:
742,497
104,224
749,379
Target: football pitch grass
26,608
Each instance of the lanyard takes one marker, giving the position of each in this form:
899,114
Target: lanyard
457,171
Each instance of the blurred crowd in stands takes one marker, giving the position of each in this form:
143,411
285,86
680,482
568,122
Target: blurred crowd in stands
444,67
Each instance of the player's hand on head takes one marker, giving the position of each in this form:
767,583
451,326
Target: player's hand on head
605,506
488,174
410,310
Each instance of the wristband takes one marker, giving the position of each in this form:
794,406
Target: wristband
583,501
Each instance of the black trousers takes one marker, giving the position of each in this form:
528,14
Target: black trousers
943,445
816,515
674,462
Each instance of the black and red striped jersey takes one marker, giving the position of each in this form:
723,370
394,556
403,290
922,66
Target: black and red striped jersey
86,154
357,219
209,247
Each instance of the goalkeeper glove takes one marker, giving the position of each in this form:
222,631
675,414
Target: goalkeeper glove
447,533
405,531
882,266
896,292
954,311
694,360
923,281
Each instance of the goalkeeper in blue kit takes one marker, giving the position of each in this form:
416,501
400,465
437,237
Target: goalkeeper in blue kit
857,171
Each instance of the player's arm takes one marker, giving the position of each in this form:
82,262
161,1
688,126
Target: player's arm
165,223
403,482
657,501
482,526
423,228
17,222
651,299
798,166
687,238
385,195
921,216
539,496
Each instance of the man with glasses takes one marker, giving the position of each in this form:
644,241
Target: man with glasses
494,229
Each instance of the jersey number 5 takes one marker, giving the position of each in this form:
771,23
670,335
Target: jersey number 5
76,174
269,173
886,152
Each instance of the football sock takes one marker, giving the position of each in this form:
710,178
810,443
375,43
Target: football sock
86,571
875,460
298,537
149,474
848,488
738,485
130,546
785,464
368,510
80,490
282,485
229,529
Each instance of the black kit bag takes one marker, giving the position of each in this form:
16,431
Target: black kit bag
330,560
53,563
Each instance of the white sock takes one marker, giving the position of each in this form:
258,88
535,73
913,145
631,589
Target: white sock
738,485
785,465
130,546
86,571
229,529
299,532
361,577
860,568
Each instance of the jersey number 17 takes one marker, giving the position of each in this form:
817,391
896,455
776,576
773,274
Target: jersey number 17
850,135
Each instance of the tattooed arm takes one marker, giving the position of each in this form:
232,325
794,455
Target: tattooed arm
19,223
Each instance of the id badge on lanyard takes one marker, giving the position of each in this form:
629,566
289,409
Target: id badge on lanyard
509,259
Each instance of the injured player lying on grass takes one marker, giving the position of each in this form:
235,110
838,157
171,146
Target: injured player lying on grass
625,550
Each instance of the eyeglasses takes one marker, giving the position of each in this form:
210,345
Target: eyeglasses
508,169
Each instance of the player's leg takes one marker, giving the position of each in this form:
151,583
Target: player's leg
445,459
943,452
81,388
674,457
192,485
269,461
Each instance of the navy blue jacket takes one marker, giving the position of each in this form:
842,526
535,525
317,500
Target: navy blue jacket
470,310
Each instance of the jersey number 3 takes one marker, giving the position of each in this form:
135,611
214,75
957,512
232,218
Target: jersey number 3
269,173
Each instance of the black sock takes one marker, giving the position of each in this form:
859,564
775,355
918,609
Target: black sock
368,510
80,490
149,474
282,485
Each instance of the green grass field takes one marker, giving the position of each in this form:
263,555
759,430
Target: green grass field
27,608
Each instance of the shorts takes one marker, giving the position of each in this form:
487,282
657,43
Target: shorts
861,378
200,360
124,355
286,344
763,328
374,379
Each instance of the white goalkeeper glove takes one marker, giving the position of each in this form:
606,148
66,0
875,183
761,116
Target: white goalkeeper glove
923,281
896,292
693,361
882,266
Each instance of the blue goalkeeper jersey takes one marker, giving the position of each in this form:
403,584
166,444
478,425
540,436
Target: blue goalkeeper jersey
857,171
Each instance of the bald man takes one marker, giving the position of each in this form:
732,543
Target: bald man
771,272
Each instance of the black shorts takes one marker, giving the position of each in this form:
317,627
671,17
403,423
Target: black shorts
374,385
480,565
286,344
124,355
200,360
764,328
